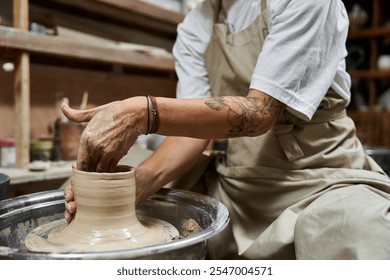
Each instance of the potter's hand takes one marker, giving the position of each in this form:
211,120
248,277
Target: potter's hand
70,205
111,130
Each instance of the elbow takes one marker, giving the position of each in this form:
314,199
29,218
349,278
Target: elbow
263,126
263,114
251,116
252,127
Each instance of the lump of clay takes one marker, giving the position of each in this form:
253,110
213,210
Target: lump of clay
105,220
189,227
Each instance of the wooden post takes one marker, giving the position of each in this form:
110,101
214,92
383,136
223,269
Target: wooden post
22,89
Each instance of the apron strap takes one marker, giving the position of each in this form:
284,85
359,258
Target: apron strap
265,18
287,140
263,5
218,4
217,8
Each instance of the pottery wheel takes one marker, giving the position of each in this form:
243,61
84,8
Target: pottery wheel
59,237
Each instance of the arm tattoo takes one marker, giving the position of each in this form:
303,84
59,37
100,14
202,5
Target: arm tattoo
244,115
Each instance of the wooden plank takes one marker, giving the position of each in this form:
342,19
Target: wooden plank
370,33
145,9
113,31
139,14
371,74
125,54
22,90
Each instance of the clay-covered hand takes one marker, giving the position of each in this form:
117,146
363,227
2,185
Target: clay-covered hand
70,205
111,130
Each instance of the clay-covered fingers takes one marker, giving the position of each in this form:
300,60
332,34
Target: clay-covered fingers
96,152
110,132
80,116
70,211
68,193
107,137
89,149
83,157
70,205
112,150
106,164
77,116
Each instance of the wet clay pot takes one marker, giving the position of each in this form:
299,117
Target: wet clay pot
106,218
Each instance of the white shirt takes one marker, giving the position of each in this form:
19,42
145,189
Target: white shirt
303,55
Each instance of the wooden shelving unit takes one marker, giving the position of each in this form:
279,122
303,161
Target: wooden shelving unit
19,43
124,54
134,13
371,120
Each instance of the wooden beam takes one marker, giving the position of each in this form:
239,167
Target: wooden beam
132,55
20,13
22,90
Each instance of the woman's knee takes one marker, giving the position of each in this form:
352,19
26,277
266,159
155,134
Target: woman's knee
346,223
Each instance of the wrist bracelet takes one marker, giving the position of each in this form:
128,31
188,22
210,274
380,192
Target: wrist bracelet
155,120
155,112
147,105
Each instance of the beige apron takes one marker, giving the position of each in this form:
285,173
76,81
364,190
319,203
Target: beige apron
268,181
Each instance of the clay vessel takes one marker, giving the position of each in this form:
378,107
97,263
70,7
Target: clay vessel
106,217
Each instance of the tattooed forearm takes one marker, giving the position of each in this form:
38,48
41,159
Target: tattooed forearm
246,115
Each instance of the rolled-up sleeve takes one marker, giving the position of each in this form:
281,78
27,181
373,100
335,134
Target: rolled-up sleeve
301,55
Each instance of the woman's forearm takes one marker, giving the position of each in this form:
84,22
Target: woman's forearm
173,157
220,117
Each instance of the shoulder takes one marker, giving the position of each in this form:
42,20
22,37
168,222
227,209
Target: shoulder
307,14
276,7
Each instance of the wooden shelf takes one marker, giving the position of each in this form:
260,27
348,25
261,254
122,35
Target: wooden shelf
371,74
369,33
144,9
61,170
124,54
136,13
